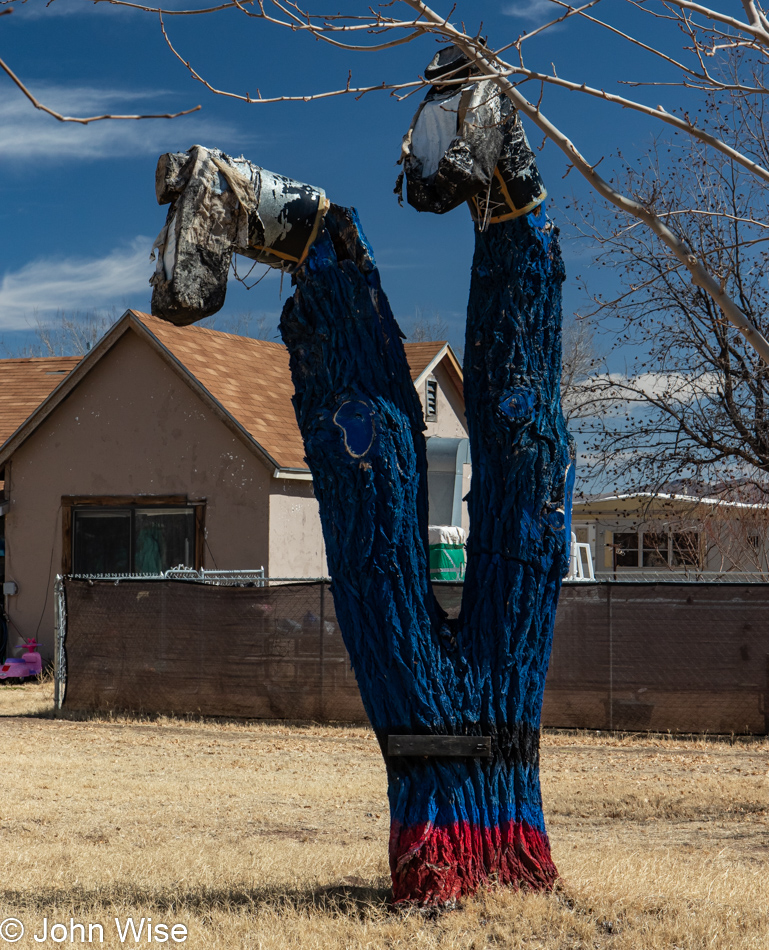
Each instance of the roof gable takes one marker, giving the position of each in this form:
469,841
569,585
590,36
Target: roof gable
423,358
249,378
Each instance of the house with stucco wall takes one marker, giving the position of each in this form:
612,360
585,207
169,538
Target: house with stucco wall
642,534
174,445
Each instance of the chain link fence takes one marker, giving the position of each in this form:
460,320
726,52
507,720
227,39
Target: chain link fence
626,656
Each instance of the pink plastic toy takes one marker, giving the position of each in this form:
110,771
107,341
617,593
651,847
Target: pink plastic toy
31,664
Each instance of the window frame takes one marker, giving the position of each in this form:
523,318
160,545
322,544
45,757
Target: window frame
669,552
70,502
654,549
616,556
697,549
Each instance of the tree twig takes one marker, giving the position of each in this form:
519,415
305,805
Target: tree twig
83,120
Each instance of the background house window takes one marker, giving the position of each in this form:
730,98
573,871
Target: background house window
626,548
133,539
101,542
431,400
686,549
655,549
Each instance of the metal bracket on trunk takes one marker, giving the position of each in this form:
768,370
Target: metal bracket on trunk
453,747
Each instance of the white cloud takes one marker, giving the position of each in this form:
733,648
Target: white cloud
681,387
31,134
536,12
38,290
616,394
673,387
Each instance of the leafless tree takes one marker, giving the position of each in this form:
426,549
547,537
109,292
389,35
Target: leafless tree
79,120
702,32
581,364
76,333
736,538
719,527
67,334
246,323
425,327
693,399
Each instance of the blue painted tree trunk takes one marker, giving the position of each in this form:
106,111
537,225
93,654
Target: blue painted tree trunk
455,823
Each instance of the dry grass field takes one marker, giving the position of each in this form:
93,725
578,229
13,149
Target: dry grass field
274,836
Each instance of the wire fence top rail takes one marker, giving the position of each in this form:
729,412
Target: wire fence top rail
631,576
257,577
181,573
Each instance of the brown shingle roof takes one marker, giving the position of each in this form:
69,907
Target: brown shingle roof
25,383
420,355
249,378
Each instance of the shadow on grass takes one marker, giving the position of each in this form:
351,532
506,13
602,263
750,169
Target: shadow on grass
128,716
17,692
335,900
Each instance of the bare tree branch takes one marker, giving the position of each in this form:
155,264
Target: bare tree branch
758,31
80,120
166,12
259,98
700,275
570,12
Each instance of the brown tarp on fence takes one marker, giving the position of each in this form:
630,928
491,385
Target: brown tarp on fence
188,648
671,656
681,657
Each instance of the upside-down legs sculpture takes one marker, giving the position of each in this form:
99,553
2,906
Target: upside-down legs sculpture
456,823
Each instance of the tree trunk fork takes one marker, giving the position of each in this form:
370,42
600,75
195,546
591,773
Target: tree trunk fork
456,823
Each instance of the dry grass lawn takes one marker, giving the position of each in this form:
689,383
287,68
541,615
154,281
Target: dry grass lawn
270,836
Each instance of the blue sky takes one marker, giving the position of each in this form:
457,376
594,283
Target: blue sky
77,209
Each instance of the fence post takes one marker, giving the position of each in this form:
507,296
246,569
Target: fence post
59,614
611,658
766,698
322,651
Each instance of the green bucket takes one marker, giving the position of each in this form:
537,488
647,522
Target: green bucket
447,553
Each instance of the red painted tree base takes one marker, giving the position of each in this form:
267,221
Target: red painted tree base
433,866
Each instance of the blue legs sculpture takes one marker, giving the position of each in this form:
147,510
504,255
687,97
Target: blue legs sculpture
455,823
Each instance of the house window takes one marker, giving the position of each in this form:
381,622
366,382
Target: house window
626,548
431,400
139,538
686,550
655,549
